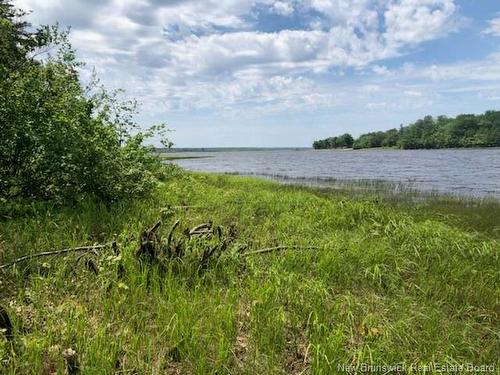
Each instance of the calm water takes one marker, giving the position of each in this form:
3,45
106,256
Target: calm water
469,172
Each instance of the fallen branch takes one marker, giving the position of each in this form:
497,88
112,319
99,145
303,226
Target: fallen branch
201,229
155,228
55,252
278,248
170,235
174,208
186,207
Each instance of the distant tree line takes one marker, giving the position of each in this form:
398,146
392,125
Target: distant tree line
428,133
344,141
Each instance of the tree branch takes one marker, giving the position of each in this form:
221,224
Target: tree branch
56,252
278,248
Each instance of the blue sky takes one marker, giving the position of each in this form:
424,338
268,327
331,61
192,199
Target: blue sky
286,72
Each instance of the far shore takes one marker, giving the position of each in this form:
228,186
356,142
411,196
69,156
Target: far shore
165,157
169,154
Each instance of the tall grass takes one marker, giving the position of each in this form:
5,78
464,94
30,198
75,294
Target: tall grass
386,283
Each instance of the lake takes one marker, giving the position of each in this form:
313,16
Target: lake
463,172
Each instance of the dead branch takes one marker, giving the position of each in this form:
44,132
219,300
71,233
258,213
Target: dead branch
278,248
202,232
55,252
185,207
202,229
149,242
170,235
155,228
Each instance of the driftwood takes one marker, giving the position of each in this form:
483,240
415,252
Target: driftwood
202,229
55,252
149,242
170,235
278,248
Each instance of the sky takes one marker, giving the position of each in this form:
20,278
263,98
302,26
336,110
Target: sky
280,73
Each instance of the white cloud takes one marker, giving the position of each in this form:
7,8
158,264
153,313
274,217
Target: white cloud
380,70
480,70
413,93
283,8
348,12
494,27
210,54
409,22
377,105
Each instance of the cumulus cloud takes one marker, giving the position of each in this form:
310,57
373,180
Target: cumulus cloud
283,8
415,21
494,27
217,54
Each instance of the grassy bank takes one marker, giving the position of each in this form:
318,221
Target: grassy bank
375,283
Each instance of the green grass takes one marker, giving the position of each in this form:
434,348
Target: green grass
389,282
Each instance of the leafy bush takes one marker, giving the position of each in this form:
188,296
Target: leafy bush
59,139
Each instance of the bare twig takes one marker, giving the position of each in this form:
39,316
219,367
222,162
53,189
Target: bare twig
185,207
55,252
278,248
171,209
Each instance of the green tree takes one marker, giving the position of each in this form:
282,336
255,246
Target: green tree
441,132
391,138
345,141
59,139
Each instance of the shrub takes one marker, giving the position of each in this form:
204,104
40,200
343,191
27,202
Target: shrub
59,139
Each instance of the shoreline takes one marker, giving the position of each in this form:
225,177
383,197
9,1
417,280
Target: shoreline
264,149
